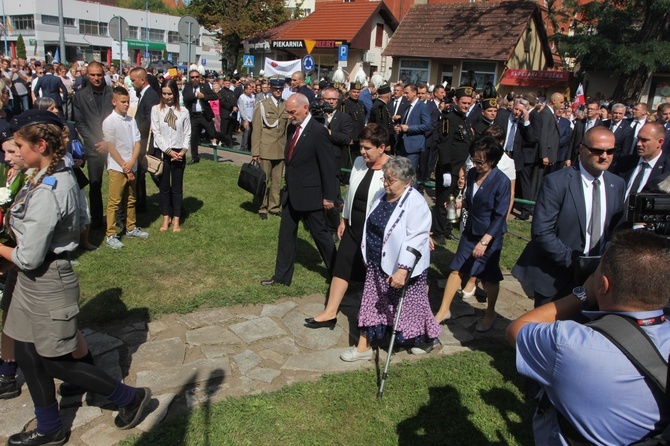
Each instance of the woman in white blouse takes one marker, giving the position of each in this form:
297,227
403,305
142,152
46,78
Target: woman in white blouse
171,128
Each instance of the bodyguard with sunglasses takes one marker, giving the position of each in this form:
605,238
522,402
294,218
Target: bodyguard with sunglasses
576,211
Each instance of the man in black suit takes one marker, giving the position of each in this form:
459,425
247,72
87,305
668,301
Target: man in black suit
340,128
311,187
92,104
648,162
51,86
147,99
398,103
584,125
565,136
380,114
228,110
424,172
197,95
622,132
520,143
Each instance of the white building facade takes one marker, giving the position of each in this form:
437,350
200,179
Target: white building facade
87,35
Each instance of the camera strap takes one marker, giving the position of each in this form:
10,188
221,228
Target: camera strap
626,334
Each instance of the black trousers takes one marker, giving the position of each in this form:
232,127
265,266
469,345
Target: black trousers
288,241
525,177
199,122
440,224
172,186
96,168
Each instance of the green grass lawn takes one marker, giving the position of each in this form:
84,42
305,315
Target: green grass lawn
470,398
218,259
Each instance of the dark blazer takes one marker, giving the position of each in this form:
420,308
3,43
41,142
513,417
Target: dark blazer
547,263
309,174
578,136
226,102
623,138
89,117
52,86
189,98
666,144
549,138
419,124
404,103
525,141
341,126
627,167
565,135
431,136
487,211
380,114
143,113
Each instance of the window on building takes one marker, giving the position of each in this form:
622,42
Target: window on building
413,71
173,37
155,35
22,22
447,75
379,35
53,20
92,28
484,72
132,32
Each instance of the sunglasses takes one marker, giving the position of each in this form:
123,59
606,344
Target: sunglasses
599,152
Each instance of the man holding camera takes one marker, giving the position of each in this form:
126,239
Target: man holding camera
576,210
592,392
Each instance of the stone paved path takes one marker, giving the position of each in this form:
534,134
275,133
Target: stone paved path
217,353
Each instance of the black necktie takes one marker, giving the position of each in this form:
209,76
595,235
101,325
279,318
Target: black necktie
638,178
595,227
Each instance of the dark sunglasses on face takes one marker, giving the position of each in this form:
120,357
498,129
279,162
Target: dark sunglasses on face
600,152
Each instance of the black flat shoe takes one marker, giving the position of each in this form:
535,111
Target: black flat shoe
271,282
311,323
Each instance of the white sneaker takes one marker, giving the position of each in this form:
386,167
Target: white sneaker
114,242
137,233
351,355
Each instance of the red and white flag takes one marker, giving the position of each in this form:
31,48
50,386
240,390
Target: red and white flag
283,68
579,98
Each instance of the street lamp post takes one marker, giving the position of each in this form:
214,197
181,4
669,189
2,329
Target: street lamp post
146,43
4,23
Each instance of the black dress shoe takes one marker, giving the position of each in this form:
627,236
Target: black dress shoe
311,323
33,438
276,214
451,237
263,216
271,282
130,415
193,161
8,387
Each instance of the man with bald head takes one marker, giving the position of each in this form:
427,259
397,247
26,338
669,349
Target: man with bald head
575,212
311,187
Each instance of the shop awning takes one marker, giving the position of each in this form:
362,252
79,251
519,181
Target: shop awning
141,45
535,78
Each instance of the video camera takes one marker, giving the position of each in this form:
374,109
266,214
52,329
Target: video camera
318,110
651,209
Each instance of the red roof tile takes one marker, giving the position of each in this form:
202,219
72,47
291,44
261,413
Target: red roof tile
488,31
339,21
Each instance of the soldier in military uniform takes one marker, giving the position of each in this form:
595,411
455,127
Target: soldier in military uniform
268,140
379,114
356,110
489,113
453,145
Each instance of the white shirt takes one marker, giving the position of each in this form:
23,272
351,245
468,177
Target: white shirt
587,187
123,133
165,137
506,166
245,104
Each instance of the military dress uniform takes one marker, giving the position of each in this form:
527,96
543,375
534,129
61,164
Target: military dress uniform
356,110
268,140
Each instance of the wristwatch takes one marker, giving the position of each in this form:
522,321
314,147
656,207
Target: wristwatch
580,292
484,243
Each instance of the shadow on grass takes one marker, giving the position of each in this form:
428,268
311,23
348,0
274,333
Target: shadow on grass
175,432
108,307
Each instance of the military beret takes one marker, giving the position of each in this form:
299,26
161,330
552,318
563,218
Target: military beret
489,103
355,86
463,91
324,84
277,83
5,133
32,117
384,88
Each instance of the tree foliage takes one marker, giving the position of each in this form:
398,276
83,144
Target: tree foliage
154,6
20,47
627,37
235,20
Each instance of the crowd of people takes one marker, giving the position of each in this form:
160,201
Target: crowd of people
387,143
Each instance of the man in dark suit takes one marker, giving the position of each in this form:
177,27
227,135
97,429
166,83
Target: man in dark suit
147,99
311,187
340,128
622,132
51,86
584,125
414,125
648,162
398,103
424,171
576,211
92,104
197,95
565,132
228,110
380,114
520,142
549,139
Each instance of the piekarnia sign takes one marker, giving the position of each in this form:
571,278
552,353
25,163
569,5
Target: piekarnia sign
288,44
299,44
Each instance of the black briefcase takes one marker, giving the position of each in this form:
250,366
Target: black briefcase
252,178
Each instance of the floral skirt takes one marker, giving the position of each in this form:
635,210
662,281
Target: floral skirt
380,302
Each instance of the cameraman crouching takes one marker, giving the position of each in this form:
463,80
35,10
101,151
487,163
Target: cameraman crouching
585,377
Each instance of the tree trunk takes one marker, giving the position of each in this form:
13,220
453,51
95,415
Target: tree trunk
630,85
